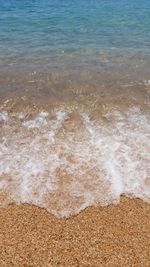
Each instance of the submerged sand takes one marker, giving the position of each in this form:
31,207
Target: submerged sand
117,235
112,236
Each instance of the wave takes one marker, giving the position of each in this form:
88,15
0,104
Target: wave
66,161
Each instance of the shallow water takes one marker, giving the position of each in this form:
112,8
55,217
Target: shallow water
74,103
65,160
71,34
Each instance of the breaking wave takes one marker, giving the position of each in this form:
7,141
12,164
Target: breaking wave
66,161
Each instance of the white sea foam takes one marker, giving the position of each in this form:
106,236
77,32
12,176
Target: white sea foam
3,116
66,163
38,122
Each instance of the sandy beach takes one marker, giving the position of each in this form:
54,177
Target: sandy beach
112,236
117,235
74,133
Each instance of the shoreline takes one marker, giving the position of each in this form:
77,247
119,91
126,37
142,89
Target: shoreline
116,235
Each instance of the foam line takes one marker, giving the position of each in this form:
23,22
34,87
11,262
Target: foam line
66,163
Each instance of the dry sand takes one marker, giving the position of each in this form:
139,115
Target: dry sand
112,236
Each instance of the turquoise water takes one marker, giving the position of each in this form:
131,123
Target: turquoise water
54,33
74,102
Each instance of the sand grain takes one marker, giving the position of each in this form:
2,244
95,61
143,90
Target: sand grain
112,236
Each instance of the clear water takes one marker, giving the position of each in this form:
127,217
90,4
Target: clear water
74,102
54,33
66,161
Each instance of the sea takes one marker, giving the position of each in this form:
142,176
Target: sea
74,103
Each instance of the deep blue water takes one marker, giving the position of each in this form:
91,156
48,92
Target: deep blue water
54,33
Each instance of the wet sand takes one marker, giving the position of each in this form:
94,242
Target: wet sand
112,236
